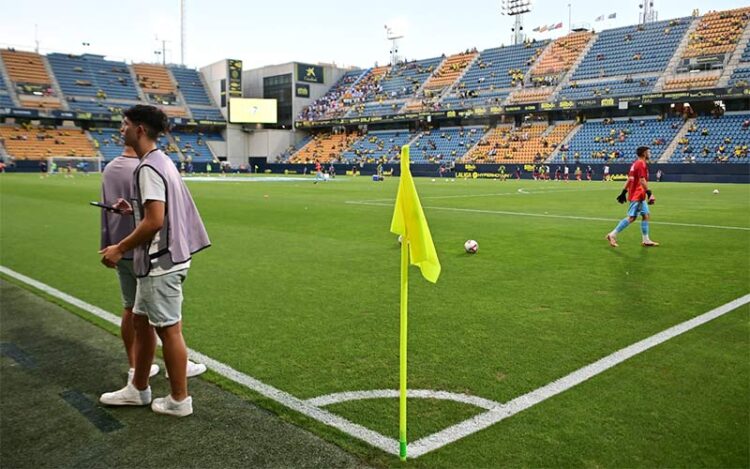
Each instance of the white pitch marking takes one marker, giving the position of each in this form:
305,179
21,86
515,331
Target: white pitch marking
493,416
467,196
543,215
389,445
335,398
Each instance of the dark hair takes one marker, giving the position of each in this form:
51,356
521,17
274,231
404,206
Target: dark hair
151,118
640,151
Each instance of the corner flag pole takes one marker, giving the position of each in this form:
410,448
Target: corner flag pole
418,249
402,348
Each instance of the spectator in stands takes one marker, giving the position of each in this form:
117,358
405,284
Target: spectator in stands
160,262
637,192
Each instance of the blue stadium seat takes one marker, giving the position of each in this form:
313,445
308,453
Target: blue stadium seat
193,145
85,75
740,77
378,144
612,53
207,114
191,86
724,135
596,142
608,88
492,77
445,145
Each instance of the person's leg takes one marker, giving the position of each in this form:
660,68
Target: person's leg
127,333
624,223
144,347
645,226
175,357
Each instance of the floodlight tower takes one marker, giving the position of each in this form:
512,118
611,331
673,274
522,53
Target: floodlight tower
183,8
393,35
516,8
648,15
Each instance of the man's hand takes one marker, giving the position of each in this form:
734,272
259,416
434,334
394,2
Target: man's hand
651,198
123,206
111,255
623,196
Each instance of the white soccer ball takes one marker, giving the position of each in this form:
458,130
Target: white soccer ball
400,239
471,246
716,191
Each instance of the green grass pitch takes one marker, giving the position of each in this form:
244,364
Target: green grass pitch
301,291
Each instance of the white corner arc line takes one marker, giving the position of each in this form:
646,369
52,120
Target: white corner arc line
389,445
536,396
335,398
543,215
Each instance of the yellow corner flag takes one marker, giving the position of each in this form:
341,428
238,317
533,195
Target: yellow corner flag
410,223
417,248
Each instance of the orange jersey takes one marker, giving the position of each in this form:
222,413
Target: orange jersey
638,170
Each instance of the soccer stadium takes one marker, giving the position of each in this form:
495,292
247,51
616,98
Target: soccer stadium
418,262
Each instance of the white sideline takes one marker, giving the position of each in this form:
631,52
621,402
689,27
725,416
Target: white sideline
545,215
491,417
495,414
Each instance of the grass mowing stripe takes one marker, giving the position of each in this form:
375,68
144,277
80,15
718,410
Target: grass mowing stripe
371,437
491,417
544,215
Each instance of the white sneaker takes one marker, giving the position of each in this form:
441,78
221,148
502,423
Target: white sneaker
193,369
153,372
168,406
128,395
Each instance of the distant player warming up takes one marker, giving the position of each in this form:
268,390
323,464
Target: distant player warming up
640,198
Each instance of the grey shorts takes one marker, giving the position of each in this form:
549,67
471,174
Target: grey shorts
128,282
160,298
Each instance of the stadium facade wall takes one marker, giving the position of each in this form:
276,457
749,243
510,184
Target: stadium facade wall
213,74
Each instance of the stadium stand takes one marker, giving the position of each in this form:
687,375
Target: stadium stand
324,147
608,88
29,142
746,54
529,143
444,145
404,79
157,85
450,69
92,76
207,114
30,79
740,77
547,71
193,145
630,50
375,109
692,81
285,155
191,86
331,104
377,146
494,74
718,32
108,142
724,139
615,140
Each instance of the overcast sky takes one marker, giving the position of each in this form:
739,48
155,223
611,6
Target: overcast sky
265,33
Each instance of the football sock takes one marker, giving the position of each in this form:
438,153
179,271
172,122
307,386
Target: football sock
644,230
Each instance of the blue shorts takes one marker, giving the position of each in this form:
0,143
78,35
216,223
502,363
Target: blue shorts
638,208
